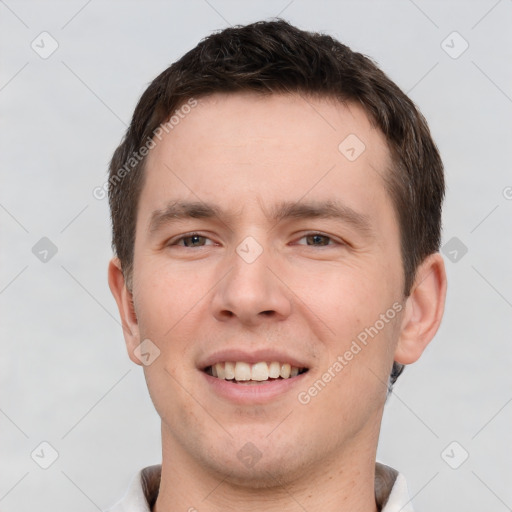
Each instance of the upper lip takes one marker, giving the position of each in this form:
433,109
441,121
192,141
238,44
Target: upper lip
252,357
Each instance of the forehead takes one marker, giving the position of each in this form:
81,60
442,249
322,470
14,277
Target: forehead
245,149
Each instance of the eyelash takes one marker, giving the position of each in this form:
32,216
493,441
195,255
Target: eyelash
331,240
176,241
316,233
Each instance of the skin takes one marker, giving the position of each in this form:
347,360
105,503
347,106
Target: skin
307,296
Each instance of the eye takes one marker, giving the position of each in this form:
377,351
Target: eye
316,240
191,240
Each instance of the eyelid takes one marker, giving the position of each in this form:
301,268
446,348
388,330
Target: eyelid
173,242
332,238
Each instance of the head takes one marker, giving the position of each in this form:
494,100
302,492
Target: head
288,146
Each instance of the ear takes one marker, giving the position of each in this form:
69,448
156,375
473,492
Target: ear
124,300
423,310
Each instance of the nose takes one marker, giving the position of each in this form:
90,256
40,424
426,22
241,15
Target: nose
251,293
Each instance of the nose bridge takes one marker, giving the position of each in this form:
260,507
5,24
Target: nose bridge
250,290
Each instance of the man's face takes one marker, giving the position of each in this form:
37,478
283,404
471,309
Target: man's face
259,240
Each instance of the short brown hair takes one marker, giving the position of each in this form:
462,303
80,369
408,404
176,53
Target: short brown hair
275,57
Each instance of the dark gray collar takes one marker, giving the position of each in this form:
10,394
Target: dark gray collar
384,480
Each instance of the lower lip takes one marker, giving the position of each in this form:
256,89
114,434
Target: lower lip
251,393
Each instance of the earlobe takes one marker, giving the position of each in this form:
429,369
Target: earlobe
124,300
423,310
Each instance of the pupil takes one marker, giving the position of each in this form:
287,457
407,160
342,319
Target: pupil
318,240
194,240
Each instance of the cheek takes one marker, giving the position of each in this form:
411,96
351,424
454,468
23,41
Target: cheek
354,314
350,388
166,389
166,297
345,298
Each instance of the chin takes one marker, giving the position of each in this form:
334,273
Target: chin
268,474
260,463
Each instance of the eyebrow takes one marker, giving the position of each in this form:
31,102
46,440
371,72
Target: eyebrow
286,210
181,210
323,210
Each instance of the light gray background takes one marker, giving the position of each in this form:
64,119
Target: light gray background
65,375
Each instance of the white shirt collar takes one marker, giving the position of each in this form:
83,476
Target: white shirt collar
390,491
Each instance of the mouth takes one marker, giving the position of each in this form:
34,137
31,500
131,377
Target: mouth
244,373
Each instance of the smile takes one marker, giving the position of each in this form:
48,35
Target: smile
247,373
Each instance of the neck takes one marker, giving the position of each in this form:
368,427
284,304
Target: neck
343,483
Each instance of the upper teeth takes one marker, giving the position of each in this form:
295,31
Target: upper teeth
258,371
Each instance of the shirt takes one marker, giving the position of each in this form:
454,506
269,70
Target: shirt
391,492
